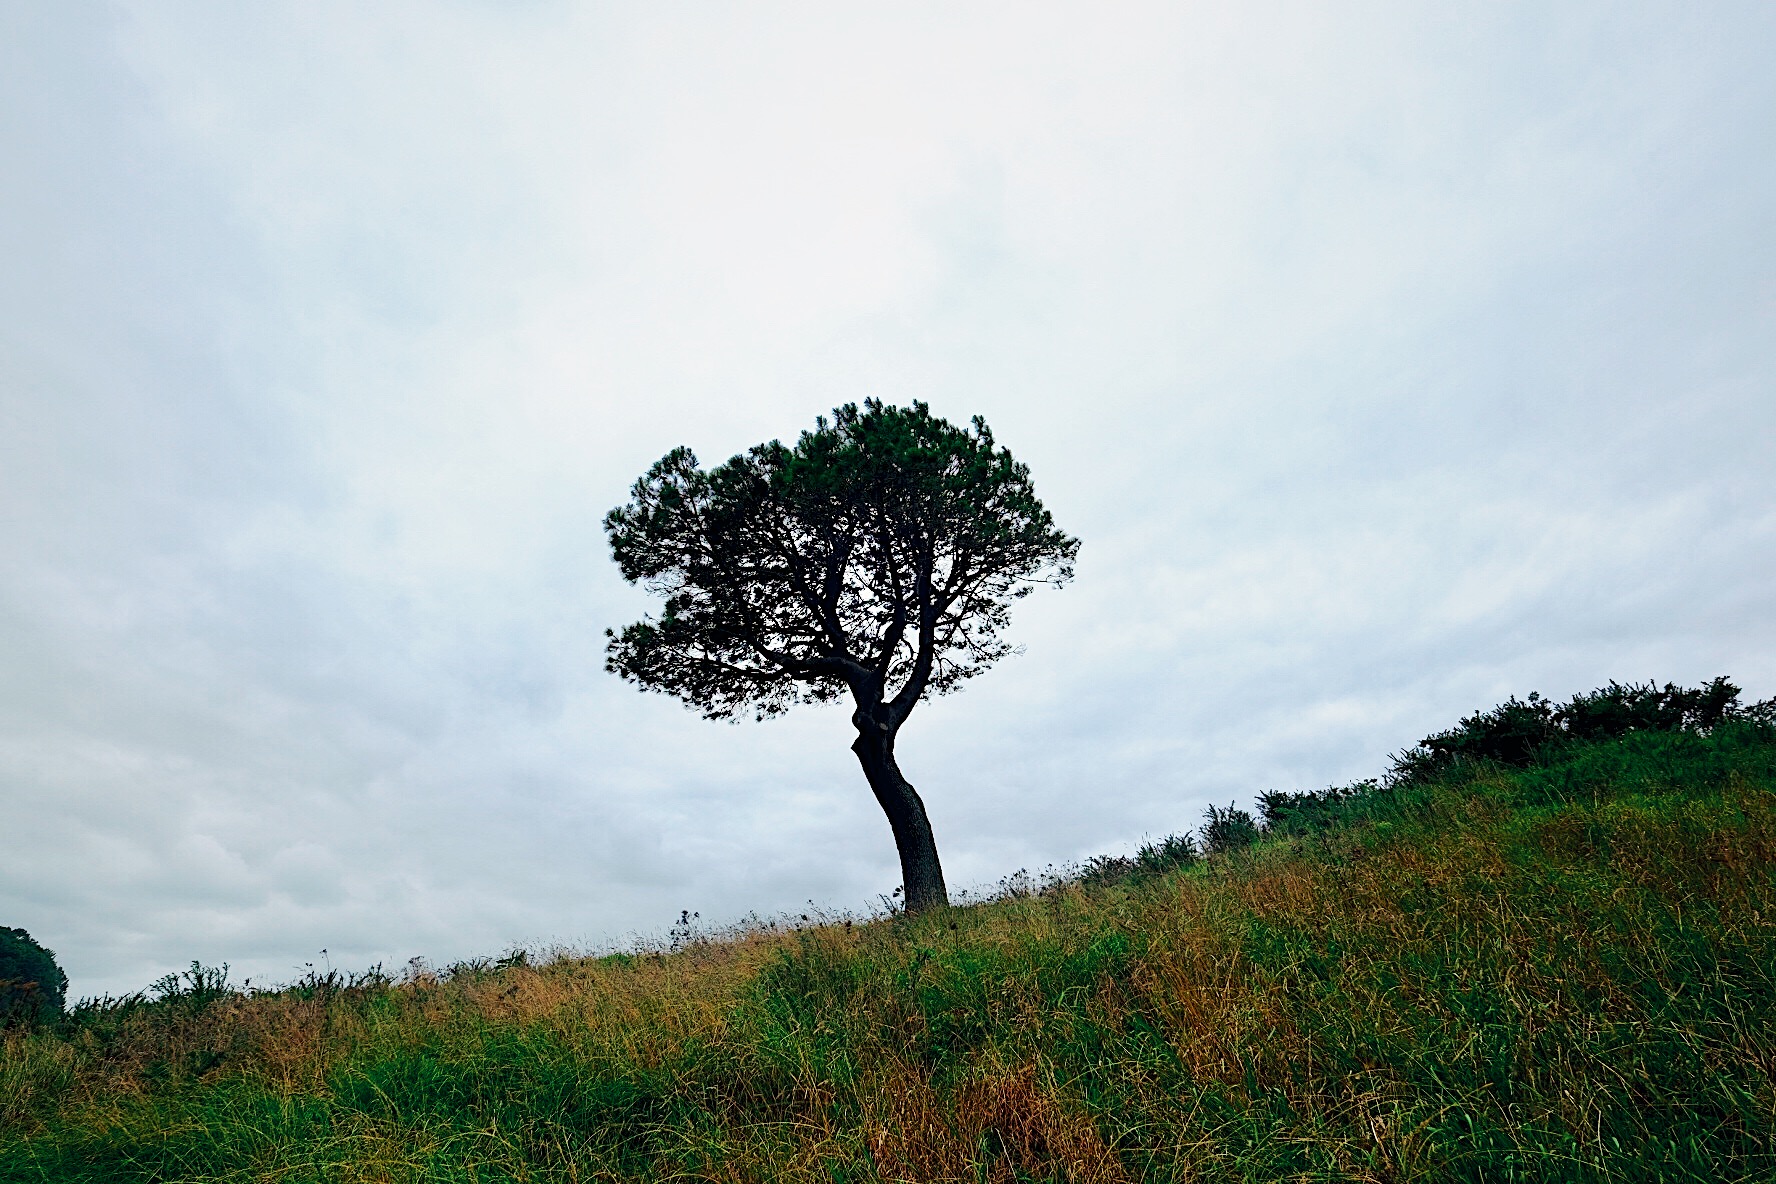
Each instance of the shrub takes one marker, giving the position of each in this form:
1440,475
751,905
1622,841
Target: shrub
195,989
1510,734
1313,810
33,988
1153,859
1108,869
1173,851
1518,732
1613,711
1227,830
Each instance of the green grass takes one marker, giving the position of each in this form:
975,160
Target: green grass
1559,973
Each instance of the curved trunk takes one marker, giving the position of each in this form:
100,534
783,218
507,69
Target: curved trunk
920,873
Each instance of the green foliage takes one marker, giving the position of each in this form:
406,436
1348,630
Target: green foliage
1153,859
1517,732
1617,710
1168,854
194,989
879,555
1309,811
33,988
1226,828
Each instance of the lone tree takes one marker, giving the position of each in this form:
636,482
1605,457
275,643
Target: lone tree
877,558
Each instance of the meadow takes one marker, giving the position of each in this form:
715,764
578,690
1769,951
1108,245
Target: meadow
1563,970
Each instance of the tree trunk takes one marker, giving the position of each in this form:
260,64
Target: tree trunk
920,873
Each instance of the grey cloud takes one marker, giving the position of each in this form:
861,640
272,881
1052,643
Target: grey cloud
1387,364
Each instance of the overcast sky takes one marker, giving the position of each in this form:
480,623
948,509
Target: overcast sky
1388,359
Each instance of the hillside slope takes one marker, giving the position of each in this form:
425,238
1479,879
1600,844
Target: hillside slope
1559,972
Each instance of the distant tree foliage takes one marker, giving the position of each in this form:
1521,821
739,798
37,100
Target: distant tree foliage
33,988
875,560
1517,734
1291,813
1517,731
1228,829
1153,859
197,988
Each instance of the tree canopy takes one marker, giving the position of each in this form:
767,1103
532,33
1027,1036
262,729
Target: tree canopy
33,988
880,553
877,557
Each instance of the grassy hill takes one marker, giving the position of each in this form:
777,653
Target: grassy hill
1562,971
